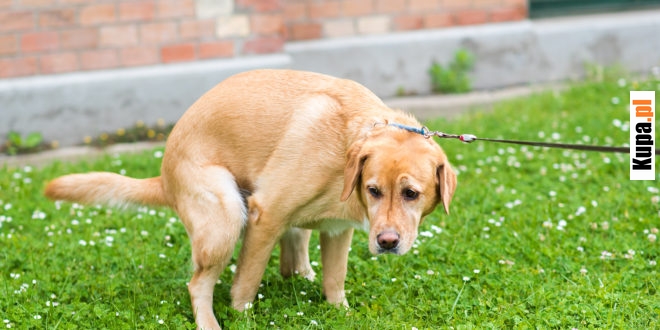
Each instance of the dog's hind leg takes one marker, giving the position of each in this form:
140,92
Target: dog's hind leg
294,254
213,211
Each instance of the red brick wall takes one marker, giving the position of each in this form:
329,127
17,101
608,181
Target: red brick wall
313,19
39,37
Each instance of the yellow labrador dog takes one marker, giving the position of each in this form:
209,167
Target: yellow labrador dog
273,153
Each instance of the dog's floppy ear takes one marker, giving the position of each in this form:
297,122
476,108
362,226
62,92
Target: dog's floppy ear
446,184
355,159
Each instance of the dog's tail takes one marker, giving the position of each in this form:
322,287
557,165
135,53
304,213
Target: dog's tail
107,189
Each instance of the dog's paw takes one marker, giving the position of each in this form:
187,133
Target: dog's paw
342,304
338,300
310,275
242,306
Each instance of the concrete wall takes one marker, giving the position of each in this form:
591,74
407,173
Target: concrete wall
71,106
506,54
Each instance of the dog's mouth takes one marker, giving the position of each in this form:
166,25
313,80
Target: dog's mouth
388,251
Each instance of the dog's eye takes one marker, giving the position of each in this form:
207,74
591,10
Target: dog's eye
410,194
374,192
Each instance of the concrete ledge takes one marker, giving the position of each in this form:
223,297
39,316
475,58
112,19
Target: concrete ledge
74,154
68,107
449,106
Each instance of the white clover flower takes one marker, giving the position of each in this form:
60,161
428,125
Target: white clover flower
426,234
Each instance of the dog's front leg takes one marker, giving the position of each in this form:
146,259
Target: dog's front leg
261,235
334,256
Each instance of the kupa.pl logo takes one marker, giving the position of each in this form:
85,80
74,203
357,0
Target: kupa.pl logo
642,135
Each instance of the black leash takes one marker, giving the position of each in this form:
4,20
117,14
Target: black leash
469,138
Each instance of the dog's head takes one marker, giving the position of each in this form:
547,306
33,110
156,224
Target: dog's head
399,177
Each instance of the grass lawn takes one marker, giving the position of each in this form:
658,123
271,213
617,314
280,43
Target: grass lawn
537,238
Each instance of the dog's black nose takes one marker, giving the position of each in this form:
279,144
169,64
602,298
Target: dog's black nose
388,240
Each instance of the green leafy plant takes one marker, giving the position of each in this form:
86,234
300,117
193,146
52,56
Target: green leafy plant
453,78
16,143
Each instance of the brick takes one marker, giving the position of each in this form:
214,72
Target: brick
16,67
58,63
158,33
373,24
264,45
39,42
357,7
118,36
14,21
216,49
178,53
424,5
391,6
324,9
508,14
408,22
455,4
339,28
266,24
139,55
295,11
175,8
36,3
437,20
197,29
75,2
486,3
137,11
213,8
305,31
99,59
57,18
233,26
8,45
471,17
260,5
85,38
98,14
515,3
